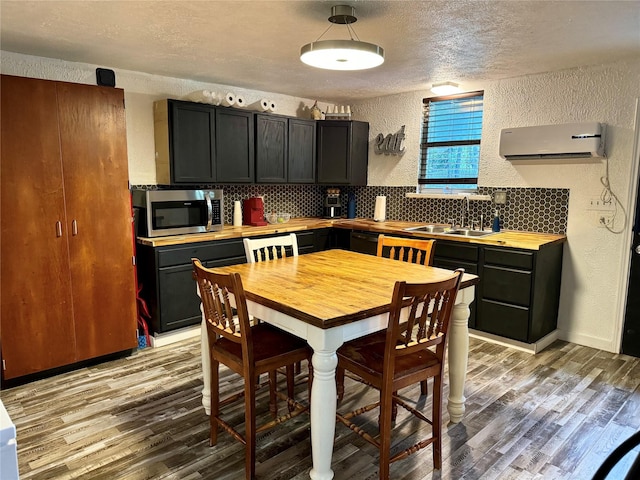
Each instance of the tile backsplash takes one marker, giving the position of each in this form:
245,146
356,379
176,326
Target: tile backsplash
542,210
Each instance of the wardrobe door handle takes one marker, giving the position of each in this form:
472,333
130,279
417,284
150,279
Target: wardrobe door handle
74,228
58,228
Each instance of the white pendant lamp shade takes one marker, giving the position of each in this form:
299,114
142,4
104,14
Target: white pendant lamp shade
342,54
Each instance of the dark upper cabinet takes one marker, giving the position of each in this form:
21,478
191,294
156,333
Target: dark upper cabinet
271,149
343,150
302,151
285,149
234,146
185,142
199,144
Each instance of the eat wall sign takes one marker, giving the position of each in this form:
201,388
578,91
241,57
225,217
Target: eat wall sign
391,144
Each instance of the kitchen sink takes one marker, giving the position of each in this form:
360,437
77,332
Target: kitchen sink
464,232
428,229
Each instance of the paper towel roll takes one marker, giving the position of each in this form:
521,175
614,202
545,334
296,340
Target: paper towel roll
380,211
261,105
272,106
228,100
237,214
240,102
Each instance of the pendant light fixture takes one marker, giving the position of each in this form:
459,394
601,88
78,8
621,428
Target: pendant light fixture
342,54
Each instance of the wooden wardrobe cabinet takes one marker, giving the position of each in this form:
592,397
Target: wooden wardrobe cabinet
67,273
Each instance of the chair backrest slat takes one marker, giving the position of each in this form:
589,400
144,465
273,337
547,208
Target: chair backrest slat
270,248
215,291
430,306
407,249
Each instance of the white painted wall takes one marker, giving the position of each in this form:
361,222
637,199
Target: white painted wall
594,272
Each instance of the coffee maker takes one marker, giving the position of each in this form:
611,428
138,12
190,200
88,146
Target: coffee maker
332,206
253,212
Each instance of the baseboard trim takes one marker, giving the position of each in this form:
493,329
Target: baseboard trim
162,339
532,348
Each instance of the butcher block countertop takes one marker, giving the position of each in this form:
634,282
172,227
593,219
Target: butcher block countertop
524,240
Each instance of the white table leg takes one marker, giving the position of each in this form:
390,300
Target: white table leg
323,398
206,368
459,353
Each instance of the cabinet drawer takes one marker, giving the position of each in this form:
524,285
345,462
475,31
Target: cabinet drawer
453,264
507,285
505,320
508,258
306,239
457,251
204,251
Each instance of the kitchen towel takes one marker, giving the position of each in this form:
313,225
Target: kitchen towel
201,96
261,105
272,106
237,214
228,100
380,209
240,102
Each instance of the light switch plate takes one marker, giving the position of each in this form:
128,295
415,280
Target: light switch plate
500,197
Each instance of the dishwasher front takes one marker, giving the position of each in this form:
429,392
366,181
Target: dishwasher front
364,242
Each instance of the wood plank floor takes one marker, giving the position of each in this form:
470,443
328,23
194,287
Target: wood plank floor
556,415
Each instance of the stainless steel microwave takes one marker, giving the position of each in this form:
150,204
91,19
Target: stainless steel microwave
177,212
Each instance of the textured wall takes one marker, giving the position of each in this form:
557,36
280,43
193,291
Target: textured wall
593,271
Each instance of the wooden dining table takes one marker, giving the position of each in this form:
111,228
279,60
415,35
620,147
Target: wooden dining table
331,297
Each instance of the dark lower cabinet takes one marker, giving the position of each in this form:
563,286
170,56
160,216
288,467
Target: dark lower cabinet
167,284
168,287
452,255
519,292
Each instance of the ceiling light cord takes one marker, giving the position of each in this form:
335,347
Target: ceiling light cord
607,196
328,28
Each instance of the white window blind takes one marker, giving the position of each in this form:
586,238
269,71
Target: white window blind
450,143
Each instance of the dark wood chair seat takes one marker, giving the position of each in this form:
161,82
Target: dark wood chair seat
366,357
409,352
272,345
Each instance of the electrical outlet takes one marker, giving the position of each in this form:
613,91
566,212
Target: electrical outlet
500,197
596,203
604,219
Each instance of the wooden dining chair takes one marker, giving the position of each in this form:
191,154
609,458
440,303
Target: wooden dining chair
401,357
270,248
406,249
248,351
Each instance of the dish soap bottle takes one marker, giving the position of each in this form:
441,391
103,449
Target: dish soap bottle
496,222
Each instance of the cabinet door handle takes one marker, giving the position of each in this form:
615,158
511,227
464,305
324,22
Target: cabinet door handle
58,228
74,228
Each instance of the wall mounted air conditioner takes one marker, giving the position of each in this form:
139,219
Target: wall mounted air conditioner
567,141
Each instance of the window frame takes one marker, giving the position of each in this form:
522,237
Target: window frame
439,185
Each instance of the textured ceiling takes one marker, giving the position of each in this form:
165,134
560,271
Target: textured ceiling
256,44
